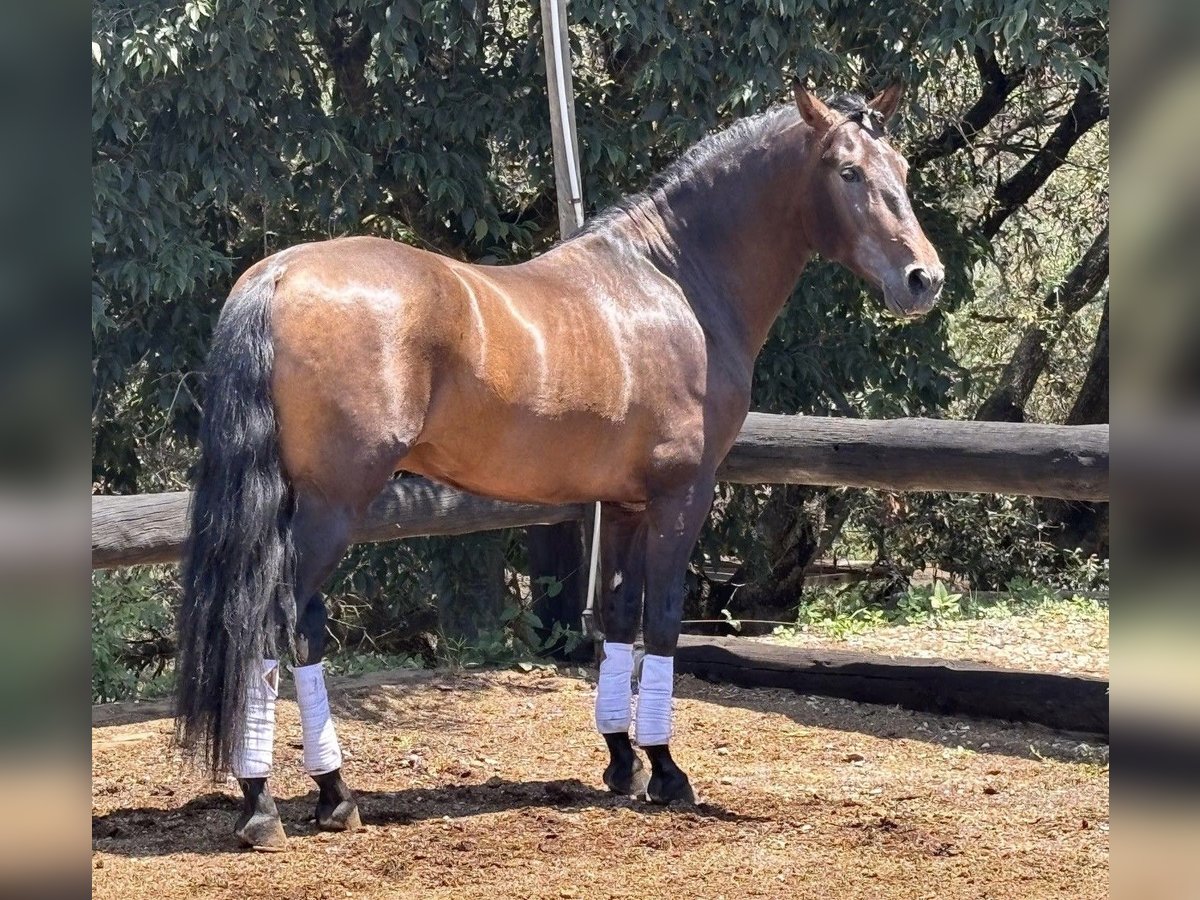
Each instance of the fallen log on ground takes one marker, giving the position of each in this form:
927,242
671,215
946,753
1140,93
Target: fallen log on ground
1076,703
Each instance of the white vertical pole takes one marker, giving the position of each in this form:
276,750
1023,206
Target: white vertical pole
569,186
567,179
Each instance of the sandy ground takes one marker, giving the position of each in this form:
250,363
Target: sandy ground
488,785
1058,639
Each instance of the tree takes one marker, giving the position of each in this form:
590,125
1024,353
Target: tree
223,132
1007,401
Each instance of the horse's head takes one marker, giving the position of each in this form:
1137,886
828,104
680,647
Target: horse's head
859,212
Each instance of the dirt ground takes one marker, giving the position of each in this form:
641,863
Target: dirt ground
1060,639
488,786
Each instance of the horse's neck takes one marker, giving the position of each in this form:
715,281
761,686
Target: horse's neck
733,240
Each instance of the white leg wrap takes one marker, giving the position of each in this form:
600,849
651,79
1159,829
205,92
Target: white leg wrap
654,700
321,750
614,692
253,757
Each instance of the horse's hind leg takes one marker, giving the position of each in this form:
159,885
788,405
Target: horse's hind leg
336,807
674,523
258,825
322,535
622,556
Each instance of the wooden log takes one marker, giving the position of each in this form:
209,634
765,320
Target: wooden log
138,529
130,712
1076,703
1068,462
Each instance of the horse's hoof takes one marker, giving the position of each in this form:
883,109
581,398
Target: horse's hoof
630,783
343,817
262,832
670,788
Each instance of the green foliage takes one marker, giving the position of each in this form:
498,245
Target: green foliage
515,642
857,609
131,609
552,585
988,540
382,597
358,662
929,604
223,132
838,612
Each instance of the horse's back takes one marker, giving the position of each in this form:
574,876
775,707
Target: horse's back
574,376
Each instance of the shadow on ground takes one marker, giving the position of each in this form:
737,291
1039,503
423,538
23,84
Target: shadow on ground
205,824
995,736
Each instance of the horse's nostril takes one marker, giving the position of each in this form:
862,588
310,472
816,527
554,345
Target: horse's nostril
919,281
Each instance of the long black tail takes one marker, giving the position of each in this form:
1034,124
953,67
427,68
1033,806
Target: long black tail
239,564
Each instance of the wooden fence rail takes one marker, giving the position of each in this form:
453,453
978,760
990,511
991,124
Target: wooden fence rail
1067,462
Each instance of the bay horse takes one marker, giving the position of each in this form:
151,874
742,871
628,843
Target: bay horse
616,367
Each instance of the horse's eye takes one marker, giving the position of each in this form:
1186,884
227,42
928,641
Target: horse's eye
851,175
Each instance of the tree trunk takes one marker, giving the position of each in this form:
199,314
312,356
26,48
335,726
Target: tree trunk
1091,406
469,583
996,87
1088,109
1081,524
798,524
558,573
1007,401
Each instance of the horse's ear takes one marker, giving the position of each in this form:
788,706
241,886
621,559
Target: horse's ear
887,101
812,110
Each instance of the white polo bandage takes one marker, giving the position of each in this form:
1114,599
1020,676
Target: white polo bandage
654,700
614,692
253,758
321,751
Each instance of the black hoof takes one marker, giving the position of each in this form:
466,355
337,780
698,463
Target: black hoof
625,773
258,826
673,787
336,807
343,817
668,783
629,780
262,832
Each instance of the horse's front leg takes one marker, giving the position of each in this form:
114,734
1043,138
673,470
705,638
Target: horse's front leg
622,558
673,524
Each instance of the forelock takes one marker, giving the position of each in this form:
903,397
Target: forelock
854,107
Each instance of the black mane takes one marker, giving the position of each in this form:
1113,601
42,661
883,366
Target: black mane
722,145
708,151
